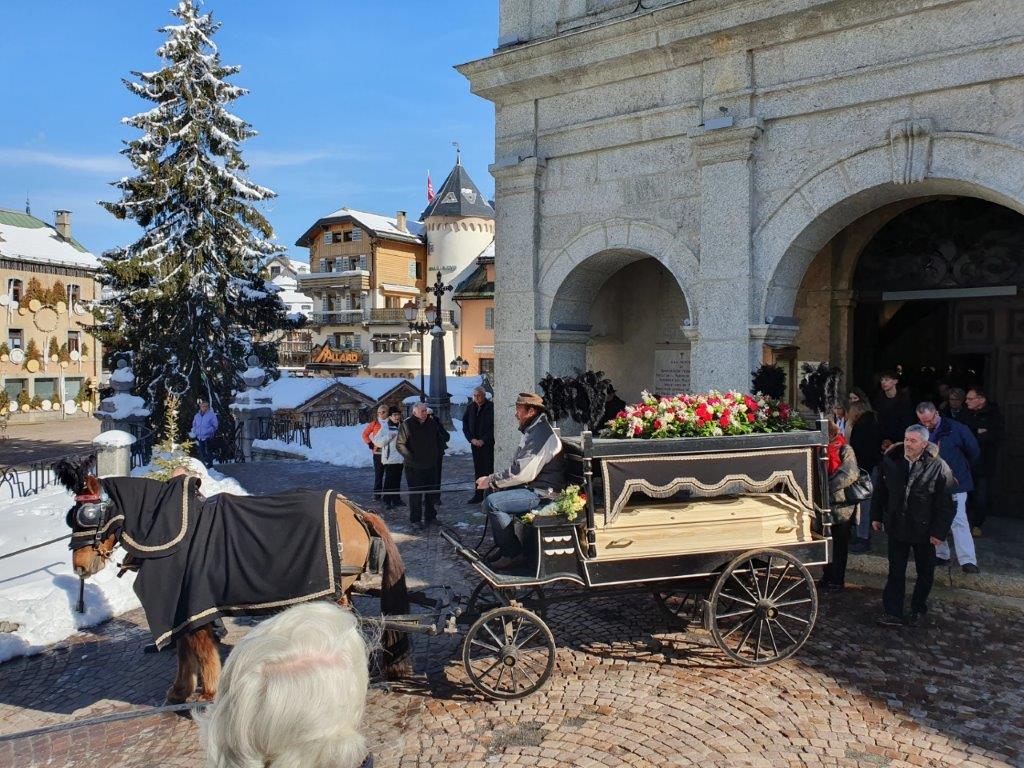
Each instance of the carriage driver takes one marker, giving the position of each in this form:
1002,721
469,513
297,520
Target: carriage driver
537,473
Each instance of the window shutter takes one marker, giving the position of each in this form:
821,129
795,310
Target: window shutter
489,318
362,262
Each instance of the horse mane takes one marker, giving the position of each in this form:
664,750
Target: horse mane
394,600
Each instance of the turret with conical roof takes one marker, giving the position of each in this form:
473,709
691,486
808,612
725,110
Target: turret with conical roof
459,225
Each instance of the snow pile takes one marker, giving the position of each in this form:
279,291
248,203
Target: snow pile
291,391
38,589
123,375
123,406
211,481
344,446
114,438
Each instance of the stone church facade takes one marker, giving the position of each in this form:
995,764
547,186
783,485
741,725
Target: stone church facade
684,188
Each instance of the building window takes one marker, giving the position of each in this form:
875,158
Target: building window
487,368
274,272
353,235
16,338
74,295
489,318
71,388
46,389
362,262
13,387
307,306
323,265
15,289
414,271
74,342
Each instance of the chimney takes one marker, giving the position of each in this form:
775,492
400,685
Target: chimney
62,222
401,216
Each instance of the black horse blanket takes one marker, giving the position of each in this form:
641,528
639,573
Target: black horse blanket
227,555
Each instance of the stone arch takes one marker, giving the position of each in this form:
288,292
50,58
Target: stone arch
830,199
598,252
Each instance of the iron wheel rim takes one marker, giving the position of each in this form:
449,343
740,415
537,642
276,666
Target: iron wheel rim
508,653
763,607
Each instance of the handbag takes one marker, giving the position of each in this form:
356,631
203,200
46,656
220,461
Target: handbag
860,490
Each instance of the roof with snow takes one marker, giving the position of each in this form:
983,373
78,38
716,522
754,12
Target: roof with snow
375,223
26,238
299,267
476,285
459,196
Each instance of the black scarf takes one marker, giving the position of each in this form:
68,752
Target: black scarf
226,555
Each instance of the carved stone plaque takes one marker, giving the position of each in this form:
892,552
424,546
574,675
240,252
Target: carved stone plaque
671,371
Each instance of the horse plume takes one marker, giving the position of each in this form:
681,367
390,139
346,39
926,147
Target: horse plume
769,380
72,475
819,386
580,397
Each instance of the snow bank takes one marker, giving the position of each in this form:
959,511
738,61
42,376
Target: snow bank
344,446
291,391
38,589
459,387
122,375
114,438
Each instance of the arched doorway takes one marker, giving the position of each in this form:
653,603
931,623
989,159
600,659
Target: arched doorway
929,287
624,313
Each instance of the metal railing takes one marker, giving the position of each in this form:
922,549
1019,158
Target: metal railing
30,478
396,316
337,317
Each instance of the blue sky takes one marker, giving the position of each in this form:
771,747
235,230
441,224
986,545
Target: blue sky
353,101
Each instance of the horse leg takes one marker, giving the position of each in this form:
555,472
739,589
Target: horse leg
209,662
188,670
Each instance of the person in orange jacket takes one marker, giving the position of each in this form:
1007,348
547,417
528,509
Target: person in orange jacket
378,468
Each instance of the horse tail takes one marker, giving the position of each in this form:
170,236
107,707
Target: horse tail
394,601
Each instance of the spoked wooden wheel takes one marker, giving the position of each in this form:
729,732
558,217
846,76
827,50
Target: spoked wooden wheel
680,606
483,599
508,653
763,607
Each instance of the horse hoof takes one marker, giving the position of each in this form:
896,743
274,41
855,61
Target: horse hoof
173,697
206,697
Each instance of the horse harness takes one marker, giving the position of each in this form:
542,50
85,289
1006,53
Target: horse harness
374,555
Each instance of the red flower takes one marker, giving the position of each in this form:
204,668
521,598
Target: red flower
703,414
784,411
657,423
638,430
621,415
724,421
750,417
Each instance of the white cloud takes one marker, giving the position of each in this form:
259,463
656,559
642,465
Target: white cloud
108,164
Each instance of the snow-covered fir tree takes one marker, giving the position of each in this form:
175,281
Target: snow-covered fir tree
188,300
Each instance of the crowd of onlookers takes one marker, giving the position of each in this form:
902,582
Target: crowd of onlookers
932,466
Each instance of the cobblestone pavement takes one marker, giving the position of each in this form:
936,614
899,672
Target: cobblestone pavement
628,689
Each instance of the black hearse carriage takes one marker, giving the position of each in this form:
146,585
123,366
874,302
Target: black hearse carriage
717,529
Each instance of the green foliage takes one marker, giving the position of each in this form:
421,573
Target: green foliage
188,301
37,402
64,354
23,398
4,349
34,290
57,292
53,349
169,454
5,403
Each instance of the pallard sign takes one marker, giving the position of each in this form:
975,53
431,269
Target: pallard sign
338,356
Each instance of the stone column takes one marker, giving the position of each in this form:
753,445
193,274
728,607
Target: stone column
517,193
724,351
113,453
844,303
250,406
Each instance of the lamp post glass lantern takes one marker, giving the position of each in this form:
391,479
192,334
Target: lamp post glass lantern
459,366
412,311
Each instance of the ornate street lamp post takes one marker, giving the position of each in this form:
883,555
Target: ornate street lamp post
438,399
412,311
459,366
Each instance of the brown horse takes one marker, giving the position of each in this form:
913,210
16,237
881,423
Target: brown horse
198,656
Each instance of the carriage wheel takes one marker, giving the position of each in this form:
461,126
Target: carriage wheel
680,606
763,607
508,653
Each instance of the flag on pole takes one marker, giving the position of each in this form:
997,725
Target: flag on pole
430,189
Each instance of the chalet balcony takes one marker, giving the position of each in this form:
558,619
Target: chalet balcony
397,317
342,280
337,317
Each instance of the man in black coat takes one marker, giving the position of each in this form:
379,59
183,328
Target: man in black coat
984,419
895,411
914,505
421,445
478,427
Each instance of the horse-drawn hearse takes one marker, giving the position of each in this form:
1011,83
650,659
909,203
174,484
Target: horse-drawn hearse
719,530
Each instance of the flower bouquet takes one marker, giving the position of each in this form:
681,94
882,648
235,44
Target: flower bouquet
568,504
710,415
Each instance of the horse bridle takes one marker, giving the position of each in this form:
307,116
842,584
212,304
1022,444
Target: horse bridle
92,514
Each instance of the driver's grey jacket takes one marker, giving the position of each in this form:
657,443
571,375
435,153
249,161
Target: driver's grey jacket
539,462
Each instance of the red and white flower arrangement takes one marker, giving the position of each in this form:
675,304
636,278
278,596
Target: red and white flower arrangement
710,415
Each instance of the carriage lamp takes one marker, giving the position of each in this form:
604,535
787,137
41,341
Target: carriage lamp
431,313
411,311
459,366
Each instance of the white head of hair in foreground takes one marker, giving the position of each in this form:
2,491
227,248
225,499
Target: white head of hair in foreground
292,694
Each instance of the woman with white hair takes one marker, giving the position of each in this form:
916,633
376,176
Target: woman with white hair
292,694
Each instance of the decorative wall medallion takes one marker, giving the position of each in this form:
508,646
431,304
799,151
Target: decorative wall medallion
974,327
46,319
